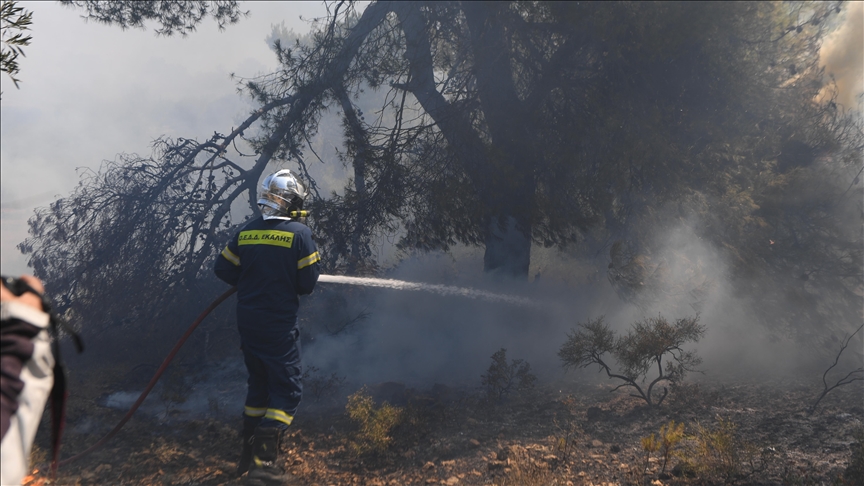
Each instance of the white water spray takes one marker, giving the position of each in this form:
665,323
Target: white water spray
438,289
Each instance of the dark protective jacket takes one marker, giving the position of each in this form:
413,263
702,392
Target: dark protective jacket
270,262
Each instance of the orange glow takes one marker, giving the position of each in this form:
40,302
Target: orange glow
33,480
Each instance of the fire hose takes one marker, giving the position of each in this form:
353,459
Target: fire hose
153,380
372,282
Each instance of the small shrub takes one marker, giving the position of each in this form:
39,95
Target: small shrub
567,429
643,349
669,438
374,423
501,378
720,453
650,445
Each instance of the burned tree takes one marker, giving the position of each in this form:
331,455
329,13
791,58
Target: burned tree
849,378
640,351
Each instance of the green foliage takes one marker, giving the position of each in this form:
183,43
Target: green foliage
642,349
650,445
173,16
14,20
502,379
670,436
720,453
374,423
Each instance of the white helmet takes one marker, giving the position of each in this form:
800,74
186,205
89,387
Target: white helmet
281,193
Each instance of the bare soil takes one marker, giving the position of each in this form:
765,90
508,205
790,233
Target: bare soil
580,434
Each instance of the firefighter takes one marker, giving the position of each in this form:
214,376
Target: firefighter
271,261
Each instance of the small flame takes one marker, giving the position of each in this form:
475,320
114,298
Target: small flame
33,480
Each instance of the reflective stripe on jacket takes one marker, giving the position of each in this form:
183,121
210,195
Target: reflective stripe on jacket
271,262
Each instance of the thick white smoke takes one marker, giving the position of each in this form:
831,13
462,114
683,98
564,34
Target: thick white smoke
842,54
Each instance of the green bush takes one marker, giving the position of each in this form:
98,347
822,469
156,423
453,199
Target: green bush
669,438
719,453
374,423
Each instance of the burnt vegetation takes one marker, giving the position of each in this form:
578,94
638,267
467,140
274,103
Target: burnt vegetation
849,378
504,379
587,127
641,352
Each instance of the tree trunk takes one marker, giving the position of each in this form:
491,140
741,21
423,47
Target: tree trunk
503,175
359,246
508,249
508,239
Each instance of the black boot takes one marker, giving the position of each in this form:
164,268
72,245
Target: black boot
247,435
266,468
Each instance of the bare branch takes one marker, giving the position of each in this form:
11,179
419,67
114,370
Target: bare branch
851,377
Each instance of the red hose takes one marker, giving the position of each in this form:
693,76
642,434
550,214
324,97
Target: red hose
153,380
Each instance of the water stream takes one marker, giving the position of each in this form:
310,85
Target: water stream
434,288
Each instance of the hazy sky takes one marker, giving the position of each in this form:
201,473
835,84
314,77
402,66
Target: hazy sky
90,91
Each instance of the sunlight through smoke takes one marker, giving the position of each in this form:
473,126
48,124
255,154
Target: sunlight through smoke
842,55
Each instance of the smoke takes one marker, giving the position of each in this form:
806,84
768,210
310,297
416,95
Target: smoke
842,55
214,391
440,336
448,334
440,319
445,335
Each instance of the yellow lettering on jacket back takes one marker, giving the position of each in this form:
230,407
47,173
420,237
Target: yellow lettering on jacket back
266,237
